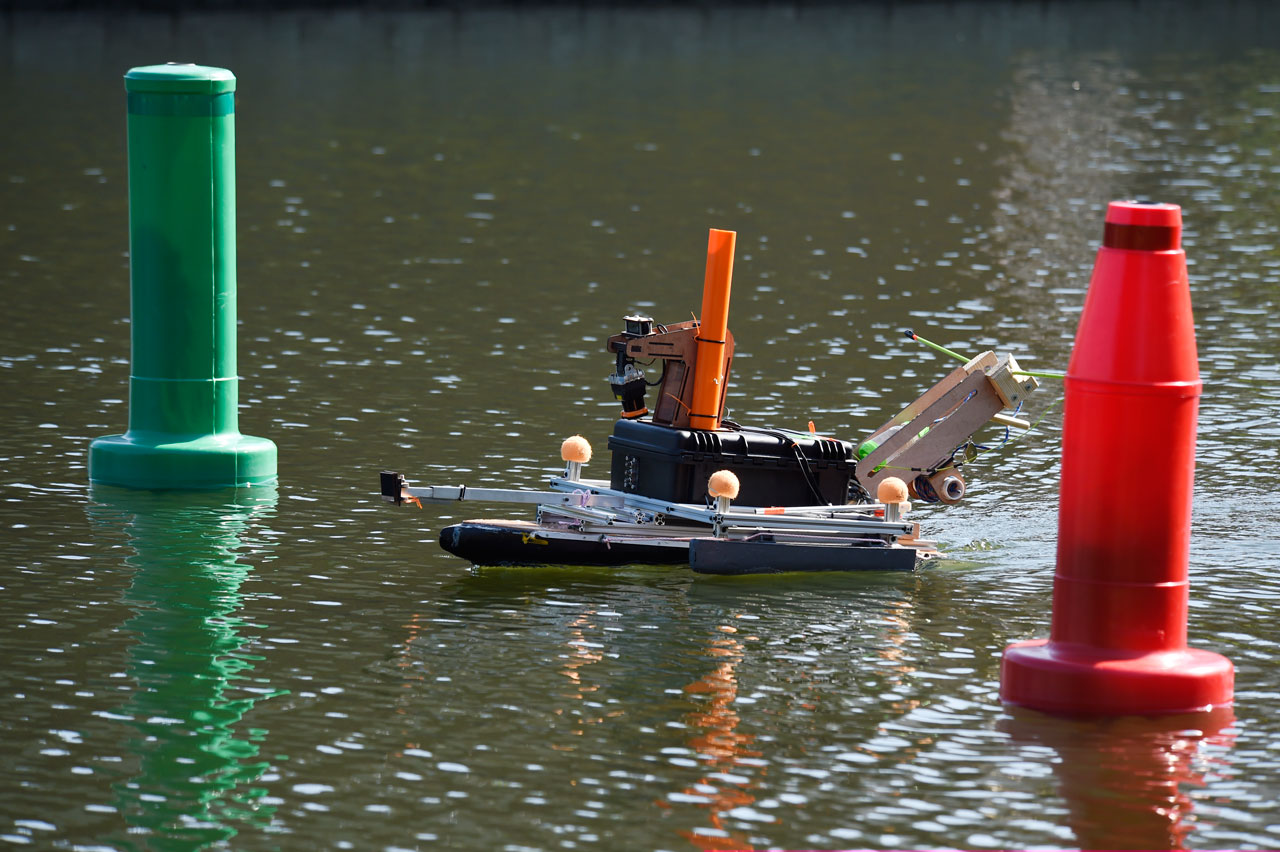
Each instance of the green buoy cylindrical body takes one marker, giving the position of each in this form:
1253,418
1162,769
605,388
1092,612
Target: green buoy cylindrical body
183,388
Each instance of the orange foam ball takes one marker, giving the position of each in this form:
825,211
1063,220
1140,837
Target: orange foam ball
891,490
576,449
723,483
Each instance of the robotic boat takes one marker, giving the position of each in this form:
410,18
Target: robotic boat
688,486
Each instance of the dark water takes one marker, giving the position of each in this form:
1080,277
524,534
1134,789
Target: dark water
441,217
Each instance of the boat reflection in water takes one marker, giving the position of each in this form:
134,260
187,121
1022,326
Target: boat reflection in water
1125,780
194,768
720,746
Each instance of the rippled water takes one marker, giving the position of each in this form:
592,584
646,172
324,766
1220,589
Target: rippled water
442,217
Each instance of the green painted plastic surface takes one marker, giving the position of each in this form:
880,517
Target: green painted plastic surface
183,385
178,77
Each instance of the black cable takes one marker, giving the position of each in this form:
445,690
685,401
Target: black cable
857,493
806,472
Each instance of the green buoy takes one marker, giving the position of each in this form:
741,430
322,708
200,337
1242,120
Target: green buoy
183,388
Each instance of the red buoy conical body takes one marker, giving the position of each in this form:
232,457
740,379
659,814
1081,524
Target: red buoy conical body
1118,638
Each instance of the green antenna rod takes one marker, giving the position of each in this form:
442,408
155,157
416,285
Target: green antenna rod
1039,374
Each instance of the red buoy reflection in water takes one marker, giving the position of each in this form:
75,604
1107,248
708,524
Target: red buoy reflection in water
1125,780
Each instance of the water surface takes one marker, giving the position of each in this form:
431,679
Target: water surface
441,218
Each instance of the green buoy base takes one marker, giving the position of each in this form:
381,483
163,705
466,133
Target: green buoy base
166,462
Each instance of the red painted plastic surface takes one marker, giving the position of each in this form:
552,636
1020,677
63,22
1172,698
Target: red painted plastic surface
1118,639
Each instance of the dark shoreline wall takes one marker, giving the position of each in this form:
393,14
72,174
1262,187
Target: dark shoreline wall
992,25
180,6
1176,23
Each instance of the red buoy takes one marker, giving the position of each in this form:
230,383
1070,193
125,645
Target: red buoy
1117,644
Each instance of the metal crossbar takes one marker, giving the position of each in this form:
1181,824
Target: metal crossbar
593,501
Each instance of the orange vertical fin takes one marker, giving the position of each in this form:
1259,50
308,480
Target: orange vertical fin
709,367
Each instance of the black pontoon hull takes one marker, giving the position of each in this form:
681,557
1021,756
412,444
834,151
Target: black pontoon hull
502,542
721,556
523,543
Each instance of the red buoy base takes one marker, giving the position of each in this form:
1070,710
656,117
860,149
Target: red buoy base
1068,679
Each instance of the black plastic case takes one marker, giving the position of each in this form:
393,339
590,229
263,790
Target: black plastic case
674,464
